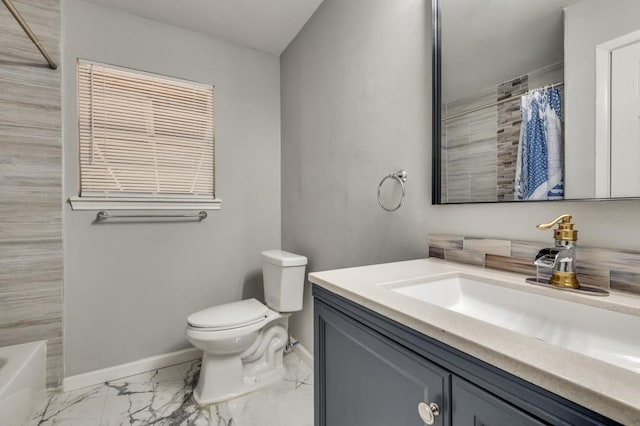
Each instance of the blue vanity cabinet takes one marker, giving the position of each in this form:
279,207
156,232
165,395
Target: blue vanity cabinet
369,380
372,371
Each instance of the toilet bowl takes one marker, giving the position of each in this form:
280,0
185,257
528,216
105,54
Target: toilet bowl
243,342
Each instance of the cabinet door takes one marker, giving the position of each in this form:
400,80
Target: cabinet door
365,379
473,406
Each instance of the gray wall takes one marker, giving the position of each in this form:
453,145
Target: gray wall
354,108
30,184
588,24
130,287
488,42
356,104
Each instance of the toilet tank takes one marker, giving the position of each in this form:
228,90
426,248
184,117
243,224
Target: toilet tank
283,275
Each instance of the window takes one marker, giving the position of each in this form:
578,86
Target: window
146,141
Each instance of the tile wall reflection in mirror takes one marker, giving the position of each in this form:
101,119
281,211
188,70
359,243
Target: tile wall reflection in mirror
539,100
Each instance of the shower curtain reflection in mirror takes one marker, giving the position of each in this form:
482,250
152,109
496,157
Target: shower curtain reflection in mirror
539,165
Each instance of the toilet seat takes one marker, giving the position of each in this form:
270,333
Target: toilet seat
243,342
229,316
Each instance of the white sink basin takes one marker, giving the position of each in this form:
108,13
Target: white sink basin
610,336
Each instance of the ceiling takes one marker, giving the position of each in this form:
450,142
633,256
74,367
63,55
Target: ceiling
264,25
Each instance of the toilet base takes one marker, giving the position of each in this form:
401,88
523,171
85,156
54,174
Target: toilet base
207,397
239,361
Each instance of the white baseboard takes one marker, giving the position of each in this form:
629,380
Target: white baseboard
304,354
132,368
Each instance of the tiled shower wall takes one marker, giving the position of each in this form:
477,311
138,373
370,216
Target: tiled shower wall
479,148
612,269
508,135
30,183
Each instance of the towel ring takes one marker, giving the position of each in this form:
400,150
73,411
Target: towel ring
401,177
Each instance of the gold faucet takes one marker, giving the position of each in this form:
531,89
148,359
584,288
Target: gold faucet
562,256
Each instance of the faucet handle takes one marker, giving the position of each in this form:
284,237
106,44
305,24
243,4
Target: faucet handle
565,218
565,231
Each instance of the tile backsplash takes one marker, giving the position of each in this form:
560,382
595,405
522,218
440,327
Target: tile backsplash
613,269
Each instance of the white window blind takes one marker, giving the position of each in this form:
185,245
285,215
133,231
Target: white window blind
144,135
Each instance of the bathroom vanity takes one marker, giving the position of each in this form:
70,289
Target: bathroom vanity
385,355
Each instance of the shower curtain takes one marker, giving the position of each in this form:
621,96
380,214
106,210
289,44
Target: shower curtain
539,166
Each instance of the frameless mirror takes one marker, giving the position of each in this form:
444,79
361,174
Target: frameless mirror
535,100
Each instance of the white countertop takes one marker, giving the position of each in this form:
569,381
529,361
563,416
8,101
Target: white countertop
597,385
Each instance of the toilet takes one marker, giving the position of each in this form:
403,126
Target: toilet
243,342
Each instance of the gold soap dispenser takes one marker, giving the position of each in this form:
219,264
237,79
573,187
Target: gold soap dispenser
561,258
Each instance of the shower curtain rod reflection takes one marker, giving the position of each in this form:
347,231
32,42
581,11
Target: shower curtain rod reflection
18,17
511,99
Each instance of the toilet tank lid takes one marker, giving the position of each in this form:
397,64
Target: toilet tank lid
283,258
232,314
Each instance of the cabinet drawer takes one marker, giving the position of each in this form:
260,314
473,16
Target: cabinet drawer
367,379
474,406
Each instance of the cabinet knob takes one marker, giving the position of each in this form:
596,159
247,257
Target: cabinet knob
428,412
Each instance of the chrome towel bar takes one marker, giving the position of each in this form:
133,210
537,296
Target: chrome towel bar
103,216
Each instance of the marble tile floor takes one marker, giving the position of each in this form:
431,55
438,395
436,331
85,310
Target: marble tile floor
163,397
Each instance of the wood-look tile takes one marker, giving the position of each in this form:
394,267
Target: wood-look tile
625,281
468,257
30,162
43,21
42,16
457,191
609,259
457,132
30,190
481,98
527,249
471,167
480,147
436,252
31,183
607,268
36,75
55,364
593,275
483,188
49,196
31,144
7,131
511,264
43,224
445,241
29,266
29,316
51,5
626,261
488,246
482,125
19,50
15,114
29,94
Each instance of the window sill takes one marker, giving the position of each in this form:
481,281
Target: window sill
91,203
